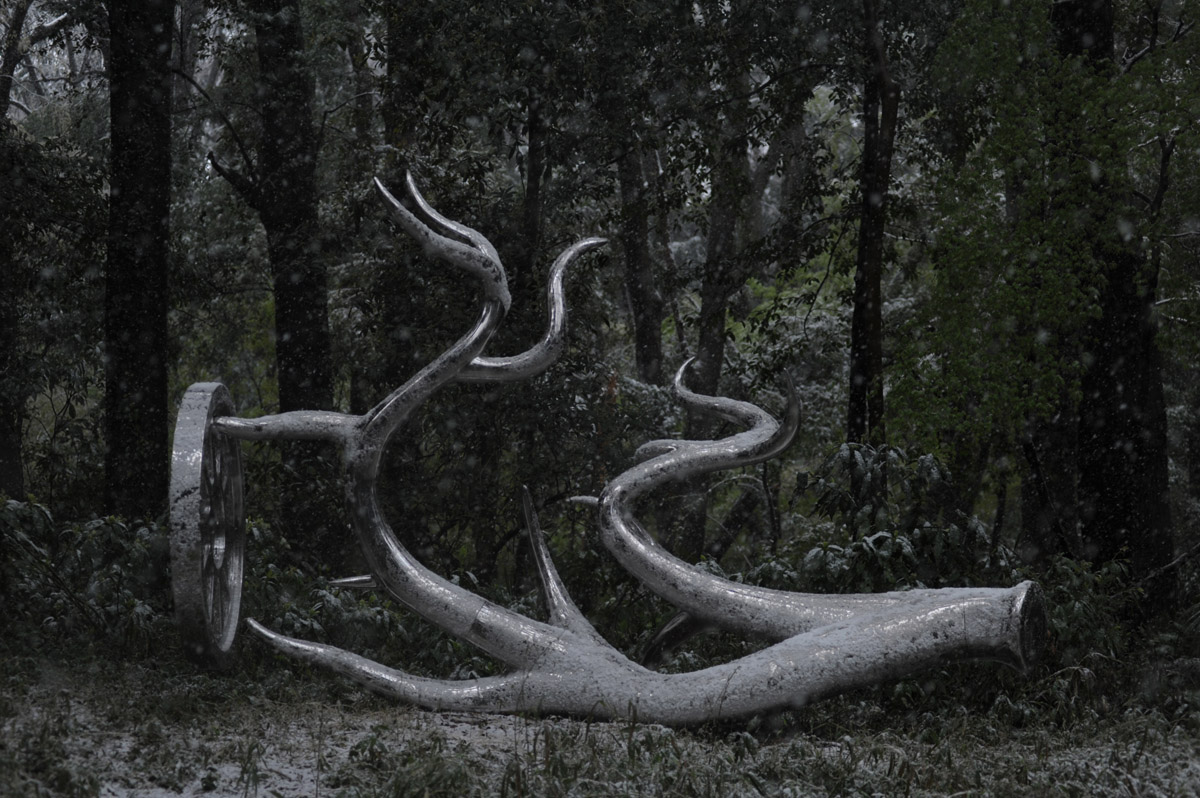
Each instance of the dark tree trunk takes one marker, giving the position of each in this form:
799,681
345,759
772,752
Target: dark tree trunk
287,206
11,56
881,101
646,304
136,298
12,391
1049,492
722,277
283,191
645,301
724,273
1123,480
287,201
524,275
12,397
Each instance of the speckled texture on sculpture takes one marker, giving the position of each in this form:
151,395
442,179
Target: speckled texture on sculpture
826,644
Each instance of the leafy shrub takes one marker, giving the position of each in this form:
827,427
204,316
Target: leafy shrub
1087,608
103,579
896,525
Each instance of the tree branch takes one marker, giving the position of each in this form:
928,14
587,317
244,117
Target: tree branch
1166,146
331,111
241,145
46,30
245,186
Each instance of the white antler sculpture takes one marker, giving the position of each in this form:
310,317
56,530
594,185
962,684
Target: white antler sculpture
826,643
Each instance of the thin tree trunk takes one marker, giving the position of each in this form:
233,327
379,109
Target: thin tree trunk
523,273
287,206
136,298
283,191
12,54
881,100
12,395
645,301
1123,473
404,85
12,391
1049,492
724,274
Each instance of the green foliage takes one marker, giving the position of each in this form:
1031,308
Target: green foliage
896,524
52,370
104,580
1089,610
1045,166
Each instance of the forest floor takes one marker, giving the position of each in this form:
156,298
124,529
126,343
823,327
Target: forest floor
154,726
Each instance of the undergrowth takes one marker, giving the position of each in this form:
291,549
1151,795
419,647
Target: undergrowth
99,593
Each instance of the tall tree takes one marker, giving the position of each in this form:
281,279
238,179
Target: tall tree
280,185
881,102
1059,210
12,403
136,294
1123,477
625,74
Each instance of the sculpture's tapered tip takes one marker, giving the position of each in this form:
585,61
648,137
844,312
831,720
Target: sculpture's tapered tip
530,515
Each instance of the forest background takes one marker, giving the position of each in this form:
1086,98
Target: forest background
968,230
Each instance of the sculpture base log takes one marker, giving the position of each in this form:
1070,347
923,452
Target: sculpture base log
584,677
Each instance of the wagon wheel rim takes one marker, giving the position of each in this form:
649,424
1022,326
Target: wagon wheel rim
207,526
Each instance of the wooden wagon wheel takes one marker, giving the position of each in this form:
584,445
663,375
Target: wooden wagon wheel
208,529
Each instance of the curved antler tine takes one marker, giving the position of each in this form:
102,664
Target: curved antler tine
483,263
723,407
449,226
563,612
490,694
773,614
543,354
789,425
745,448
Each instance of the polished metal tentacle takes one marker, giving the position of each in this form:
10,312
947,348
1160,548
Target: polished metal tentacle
580,674
546,352
449,226
760,611
508,636
479,260
560,606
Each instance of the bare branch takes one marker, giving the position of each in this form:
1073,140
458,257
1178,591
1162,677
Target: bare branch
241,145
245,186
48,29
